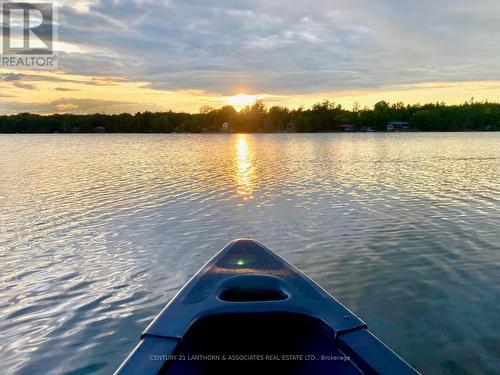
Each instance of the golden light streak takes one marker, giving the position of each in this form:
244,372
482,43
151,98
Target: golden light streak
245,171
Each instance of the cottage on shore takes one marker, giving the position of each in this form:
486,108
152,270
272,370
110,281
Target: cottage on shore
348,127
226,128
396,126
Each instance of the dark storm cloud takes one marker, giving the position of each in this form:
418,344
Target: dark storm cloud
284,46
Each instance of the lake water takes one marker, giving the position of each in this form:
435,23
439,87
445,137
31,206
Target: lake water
98,232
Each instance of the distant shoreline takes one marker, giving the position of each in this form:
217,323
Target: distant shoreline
323,117
257,133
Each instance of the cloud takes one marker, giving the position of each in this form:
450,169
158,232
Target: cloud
25,86
9,77
39,76
144,54
283,46
64,89
68,105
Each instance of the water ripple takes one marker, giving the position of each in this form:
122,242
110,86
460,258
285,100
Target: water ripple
97,233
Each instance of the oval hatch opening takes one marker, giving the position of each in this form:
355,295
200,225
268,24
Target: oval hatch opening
238,294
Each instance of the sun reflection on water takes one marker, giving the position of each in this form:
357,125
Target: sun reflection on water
91,225
245,171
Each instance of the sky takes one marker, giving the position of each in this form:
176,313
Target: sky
135,55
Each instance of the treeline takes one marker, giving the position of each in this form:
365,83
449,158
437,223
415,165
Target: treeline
322,117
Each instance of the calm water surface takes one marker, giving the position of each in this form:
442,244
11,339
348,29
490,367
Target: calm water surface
98,232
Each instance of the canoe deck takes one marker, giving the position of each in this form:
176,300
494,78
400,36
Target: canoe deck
283,343
248,309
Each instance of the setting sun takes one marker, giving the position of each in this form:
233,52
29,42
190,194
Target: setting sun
241,100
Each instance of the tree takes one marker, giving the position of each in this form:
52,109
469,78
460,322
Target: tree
323,116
